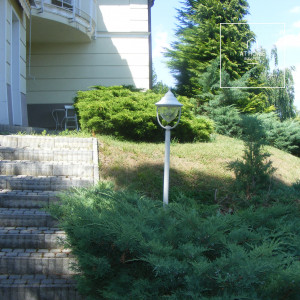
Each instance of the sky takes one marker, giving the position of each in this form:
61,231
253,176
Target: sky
273,21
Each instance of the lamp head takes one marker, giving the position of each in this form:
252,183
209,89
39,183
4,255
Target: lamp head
168,107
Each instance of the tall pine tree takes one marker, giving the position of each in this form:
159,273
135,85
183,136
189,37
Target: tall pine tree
198,41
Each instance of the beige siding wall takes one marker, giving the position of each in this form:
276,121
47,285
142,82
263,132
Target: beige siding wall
123,15
12,80
119,55
62,69
23,55
12,6
8,42
4,118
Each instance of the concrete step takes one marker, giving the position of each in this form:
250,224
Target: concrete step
65,155
46,142
42,183
36,261
27,198
12,217
37,287
31,237
33,168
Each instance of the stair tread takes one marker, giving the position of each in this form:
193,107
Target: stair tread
78,149
23,211
27,192
45,162
35,279
55,251
57,177
30,230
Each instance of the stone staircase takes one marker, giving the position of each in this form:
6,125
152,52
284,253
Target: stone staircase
33,169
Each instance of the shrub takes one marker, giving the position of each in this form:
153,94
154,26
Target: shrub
254,172
227,119
282,135
130,247
131,115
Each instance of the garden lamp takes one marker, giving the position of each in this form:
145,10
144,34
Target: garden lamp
168,108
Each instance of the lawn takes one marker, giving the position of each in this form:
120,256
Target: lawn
197,169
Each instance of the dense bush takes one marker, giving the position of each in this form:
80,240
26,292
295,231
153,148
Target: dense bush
129,114
284,135
227,119
130,247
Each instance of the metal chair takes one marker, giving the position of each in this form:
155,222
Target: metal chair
70,118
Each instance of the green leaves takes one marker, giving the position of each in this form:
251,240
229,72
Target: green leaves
130,247
131,115
198,41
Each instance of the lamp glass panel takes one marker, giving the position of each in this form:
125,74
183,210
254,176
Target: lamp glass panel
168,113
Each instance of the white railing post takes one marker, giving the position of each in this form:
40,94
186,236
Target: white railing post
74,10
91,13
42,6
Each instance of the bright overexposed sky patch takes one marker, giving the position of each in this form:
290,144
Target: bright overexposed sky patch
261,11
297,24
160,42
289,41
295,10
296,76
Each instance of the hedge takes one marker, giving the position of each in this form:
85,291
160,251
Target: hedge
131,115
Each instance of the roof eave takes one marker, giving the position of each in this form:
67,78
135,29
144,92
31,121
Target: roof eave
26,6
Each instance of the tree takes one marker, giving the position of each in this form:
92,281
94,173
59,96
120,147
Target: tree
282,98
254,172
158,86
198,41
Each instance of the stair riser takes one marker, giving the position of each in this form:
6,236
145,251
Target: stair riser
44,155
31,241
26,203
42,169
27,221
46,142
44,184
26,265
44,292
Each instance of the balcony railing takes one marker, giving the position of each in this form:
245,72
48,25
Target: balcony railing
84,14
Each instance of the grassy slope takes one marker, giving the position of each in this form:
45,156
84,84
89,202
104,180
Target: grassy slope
197,169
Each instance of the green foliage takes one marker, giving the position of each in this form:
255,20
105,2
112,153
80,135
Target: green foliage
254,172
281,98
158,87
131,115
235,94
130,247
282,135
195,60
198,41
227,119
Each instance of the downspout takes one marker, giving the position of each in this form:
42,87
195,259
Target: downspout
150,4
29,48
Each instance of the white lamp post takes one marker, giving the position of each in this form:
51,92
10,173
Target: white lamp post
168,108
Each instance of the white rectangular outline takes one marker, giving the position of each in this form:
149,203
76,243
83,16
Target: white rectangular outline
266,87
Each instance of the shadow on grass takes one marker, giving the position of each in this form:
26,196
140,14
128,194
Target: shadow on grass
148,180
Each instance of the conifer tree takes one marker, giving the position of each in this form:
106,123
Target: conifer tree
198,41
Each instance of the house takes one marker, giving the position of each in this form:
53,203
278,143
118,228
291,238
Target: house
49,49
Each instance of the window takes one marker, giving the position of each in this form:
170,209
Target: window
63,3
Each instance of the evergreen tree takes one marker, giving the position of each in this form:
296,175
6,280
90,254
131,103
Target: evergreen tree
198,41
